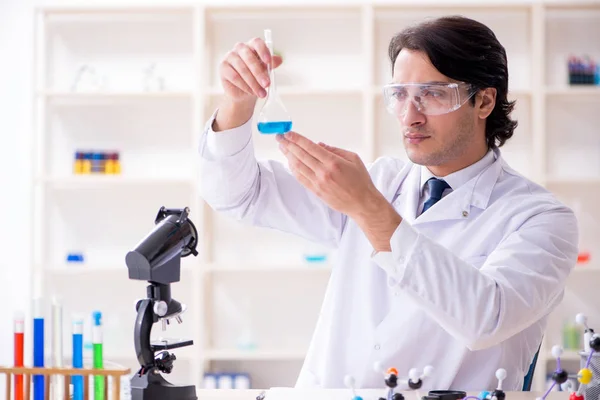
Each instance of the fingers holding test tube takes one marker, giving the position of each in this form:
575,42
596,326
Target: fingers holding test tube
337,176
244,71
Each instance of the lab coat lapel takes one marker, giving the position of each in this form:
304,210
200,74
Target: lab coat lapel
407,200
457,204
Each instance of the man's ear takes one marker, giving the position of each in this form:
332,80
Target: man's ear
488,102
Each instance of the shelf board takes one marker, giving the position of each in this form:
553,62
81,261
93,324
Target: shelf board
82,269
572,5
519,92
77,269
575,90
398,10
88,181
267,354
304,91
567,355
116,9
573,181
579,270
280,11
106,97
301,268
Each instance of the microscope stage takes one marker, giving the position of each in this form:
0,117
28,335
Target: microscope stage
167,344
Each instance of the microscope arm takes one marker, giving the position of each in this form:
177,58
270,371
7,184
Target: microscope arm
143,328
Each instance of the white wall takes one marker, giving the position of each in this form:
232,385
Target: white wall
15,161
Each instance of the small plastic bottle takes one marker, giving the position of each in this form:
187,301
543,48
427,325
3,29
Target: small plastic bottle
98,163
78,166
110,164
87,163
114,157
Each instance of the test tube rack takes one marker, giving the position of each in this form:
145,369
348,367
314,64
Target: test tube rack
114,374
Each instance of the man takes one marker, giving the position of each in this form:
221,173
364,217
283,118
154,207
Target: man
452,260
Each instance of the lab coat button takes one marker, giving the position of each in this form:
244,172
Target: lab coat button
377,347
465,214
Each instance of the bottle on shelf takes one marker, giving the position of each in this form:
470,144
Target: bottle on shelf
96,162
571,336
75,257
112,163
315,253
87,163
78,165
582,70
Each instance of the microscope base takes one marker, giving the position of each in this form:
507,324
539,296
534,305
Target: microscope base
152,386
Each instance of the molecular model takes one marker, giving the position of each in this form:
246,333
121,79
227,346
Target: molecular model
591,345
414,381
559,376
349,382
584,376
497,394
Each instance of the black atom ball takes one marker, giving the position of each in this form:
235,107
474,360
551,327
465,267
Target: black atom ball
391,381
595,342
397,396
415,385
499,394
560,377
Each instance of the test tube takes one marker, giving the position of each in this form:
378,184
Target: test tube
38,349
19,345
98,362
57,353
77,380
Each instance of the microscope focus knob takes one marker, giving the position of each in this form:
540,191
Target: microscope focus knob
160,308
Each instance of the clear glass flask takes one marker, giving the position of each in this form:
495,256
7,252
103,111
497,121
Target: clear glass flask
274,117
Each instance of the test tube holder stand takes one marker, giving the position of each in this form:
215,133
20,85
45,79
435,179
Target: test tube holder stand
114,374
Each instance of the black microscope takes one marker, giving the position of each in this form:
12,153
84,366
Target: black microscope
157,259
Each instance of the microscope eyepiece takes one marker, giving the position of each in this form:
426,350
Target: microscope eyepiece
157,257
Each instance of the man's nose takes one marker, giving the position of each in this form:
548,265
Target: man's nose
411,115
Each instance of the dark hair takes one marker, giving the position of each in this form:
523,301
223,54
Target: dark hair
468,51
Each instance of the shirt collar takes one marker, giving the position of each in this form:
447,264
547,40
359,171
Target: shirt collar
459,178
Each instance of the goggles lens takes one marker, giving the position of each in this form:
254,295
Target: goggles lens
428,98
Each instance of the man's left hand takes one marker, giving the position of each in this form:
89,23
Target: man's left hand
336,176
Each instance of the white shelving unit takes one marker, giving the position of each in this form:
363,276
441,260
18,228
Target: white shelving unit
331,83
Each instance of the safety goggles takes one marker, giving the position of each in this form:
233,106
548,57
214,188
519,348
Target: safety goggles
428,98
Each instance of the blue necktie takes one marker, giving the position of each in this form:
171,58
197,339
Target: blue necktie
436,188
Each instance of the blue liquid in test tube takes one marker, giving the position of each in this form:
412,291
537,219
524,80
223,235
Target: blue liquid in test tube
38,349
275,127
77,380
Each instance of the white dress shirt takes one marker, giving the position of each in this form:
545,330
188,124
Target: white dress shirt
466,288
455,179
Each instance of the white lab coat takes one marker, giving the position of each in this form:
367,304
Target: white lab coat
467,287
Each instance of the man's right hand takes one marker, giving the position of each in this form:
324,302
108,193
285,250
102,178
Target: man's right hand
244,77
